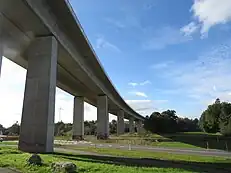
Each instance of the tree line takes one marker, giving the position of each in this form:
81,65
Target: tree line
168,122
217,118
11,131
65,129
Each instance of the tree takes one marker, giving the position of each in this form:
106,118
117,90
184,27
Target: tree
188,125
59,128
169,122
2,129
217,118
13,130
225,119
209,120
113,127
90,127
165,122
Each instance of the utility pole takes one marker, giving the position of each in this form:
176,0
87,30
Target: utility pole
60,109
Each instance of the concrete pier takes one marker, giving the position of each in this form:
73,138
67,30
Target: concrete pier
37,124
139,127
120,122
131,125
102,117
78,119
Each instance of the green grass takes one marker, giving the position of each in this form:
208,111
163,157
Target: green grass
11,157
192,140
152,155
9,142
178,140
174,145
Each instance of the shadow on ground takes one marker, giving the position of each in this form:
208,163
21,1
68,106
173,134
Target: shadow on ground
202,140
144,162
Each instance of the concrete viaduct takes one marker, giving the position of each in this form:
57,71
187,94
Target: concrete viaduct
45,37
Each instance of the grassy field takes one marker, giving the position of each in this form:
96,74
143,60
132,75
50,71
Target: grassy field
11,157
151,155
177,140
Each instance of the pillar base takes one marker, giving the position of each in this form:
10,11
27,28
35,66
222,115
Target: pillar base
103,136
78,137
33,148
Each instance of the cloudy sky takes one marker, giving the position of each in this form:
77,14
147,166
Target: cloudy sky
159,54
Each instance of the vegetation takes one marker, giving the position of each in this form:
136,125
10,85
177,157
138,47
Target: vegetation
217,118
12,131
11,157
152,155
63,129
169,122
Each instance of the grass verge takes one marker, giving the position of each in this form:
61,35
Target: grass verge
11,157
151,155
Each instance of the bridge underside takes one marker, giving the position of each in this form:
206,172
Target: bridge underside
77,70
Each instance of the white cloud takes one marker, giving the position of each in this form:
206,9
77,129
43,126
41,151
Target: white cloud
208,13
189,29
141,83
133,84
164,37
162,65
138,93
206,78
147,82
146,107
102,43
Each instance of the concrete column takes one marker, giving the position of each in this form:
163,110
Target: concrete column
120,122
102,117
139,126
78,119
131,125
37,123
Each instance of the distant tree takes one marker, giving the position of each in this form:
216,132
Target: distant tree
169,122
225,119
2,129
113,127
188,125
165,122
90,127
59,128
209,120
13,130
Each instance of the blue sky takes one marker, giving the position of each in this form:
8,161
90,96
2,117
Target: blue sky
159,54
180,48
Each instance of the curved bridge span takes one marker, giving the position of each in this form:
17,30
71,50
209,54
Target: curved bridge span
46,38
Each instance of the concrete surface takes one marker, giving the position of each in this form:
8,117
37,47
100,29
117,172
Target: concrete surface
139,127
37,124
79,71
78,119
102,117
131,125
120,122
69,62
